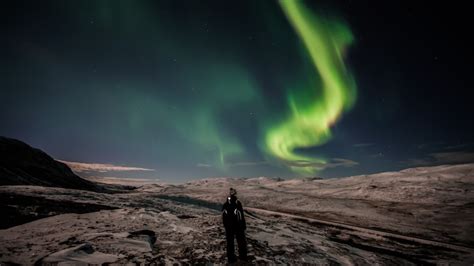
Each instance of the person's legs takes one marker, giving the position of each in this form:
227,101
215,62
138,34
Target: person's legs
242,243
230,246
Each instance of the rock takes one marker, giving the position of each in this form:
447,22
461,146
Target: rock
83,254
145,235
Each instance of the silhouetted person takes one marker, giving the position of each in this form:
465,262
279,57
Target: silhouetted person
234,223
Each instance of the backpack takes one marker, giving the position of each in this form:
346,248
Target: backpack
231,214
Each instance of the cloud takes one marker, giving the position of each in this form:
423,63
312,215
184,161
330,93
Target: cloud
376,155
453,157
247,163
340,162
204,165
123,180
438,158
334,162
459,146
363,145
235,164
102,168
430,145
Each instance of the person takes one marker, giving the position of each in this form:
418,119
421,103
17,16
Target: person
234,224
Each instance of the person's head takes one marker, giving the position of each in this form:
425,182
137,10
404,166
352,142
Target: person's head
232,192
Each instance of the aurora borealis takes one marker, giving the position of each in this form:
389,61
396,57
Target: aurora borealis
195,89
309,125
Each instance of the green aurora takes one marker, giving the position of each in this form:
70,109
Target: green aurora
247,88
196,98
308,125
222,86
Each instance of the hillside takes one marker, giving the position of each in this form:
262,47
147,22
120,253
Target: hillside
21,164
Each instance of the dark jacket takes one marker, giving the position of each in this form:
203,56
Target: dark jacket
233,214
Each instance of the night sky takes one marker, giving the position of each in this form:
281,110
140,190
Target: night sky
179,90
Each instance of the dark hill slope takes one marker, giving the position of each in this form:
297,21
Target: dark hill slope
21,164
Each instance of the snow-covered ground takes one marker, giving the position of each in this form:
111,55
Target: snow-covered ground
416,216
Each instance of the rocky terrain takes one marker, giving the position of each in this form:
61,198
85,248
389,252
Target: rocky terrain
325,222
431,202
415,216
